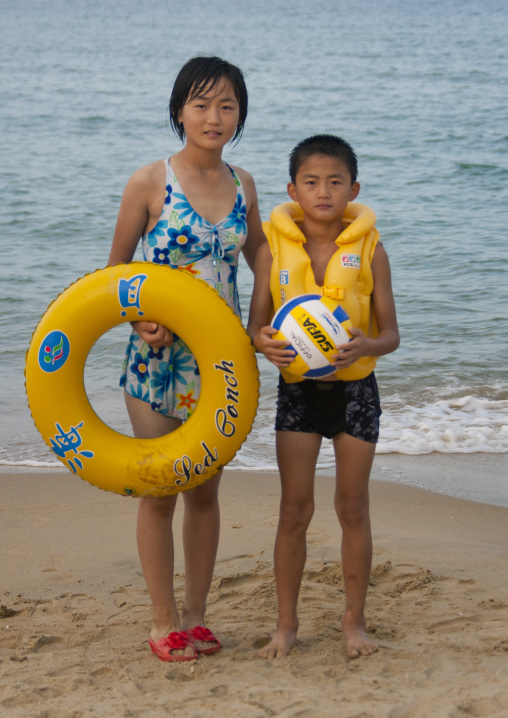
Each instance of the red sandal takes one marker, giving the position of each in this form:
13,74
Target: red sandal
200,633
175,641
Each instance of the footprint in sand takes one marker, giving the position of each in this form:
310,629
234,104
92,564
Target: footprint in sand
41,643
81,603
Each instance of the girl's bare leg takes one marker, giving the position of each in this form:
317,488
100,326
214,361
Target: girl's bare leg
155,528
297,454
201,523
354,462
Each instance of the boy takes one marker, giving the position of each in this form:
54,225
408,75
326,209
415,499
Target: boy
322,244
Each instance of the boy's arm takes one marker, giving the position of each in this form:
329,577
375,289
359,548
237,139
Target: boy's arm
261,312
388,338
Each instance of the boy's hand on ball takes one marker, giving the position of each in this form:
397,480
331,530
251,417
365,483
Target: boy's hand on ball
352,351
274,350
155,335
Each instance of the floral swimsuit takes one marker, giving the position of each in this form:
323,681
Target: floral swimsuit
168,378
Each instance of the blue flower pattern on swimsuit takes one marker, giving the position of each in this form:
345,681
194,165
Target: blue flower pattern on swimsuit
139,392
238,217
156,353
139,367
158,378
182,238
161,256
181,364
185,210
159,230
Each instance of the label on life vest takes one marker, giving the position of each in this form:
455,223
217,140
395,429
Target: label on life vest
351,260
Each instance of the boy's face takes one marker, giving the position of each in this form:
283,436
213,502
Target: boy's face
323,188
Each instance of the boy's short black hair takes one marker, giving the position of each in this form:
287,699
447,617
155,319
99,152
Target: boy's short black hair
328,145
199,73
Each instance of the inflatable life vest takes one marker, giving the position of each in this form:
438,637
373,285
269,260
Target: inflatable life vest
348,277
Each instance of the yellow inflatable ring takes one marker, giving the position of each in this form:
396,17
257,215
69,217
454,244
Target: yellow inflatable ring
54,372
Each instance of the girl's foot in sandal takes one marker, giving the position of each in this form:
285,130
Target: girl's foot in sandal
201,635
172,647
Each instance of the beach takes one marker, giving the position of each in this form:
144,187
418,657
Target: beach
75,613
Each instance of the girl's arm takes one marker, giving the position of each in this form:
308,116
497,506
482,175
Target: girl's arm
388,338
255,234
138,210
261,312
141,195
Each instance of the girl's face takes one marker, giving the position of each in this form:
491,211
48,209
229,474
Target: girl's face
210,119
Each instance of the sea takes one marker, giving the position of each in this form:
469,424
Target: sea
418,89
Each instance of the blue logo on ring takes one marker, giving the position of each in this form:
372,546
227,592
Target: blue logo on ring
128,293
54,351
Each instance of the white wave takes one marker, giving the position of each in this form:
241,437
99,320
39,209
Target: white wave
462,425
33,463
458,425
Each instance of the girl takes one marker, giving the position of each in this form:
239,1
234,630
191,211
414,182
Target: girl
194,211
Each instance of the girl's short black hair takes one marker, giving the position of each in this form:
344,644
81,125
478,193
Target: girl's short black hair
328,145
199,73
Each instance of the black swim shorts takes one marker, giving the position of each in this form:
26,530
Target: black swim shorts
330,407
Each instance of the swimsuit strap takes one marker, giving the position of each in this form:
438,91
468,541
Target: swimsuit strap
238,181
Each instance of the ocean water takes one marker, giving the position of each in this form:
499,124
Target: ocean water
419,91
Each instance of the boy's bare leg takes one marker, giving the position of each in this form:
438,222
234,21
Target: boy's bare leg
201,523
354,462
297,456
155,529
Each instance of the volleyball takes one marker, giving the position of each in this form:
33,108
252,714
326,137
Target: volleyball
314,325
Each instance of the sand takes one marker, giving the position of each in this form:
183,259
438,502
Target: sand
75,613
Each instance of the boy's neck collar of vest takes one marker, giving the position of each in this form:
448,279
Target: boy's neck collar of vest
358,219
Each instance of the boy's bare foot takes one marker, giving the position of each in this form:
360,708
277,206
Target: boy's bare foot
280,645
356,639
